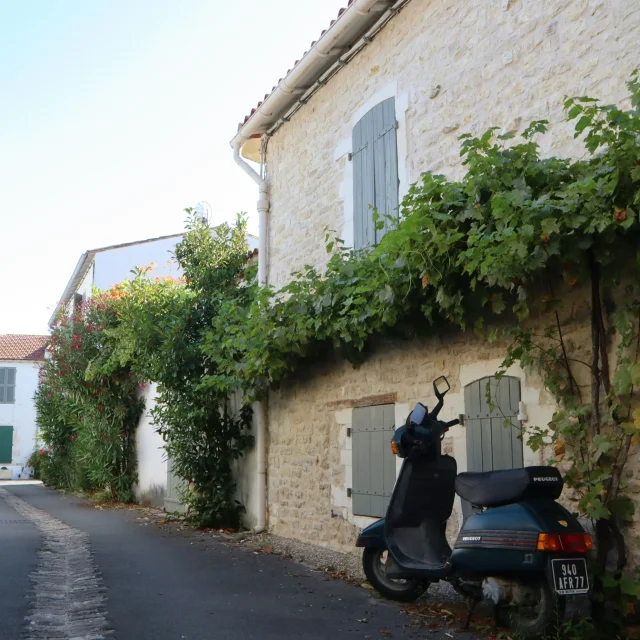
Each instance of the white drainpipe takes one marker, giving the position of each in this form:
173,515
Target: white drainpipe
260,409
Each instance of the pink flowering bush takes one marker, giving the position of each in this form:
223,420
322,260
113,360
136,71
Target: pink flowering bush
87,425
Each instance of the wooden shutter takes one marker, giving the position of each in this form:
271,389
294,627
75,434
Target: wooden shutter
374,465
375,172
7,385
11,386
363,182
6,444
385,155
490,444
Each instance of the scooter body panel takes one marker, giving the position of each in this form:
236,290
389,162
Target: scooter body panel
415,524
373,536
503,540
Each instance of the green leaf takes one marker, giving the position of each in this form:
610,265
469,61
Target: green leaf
582,124
574,112
549,226
622,380
629,586
623,508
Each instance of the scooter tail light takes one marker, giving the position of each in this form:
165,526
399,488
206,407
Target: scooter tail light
394,448
567,542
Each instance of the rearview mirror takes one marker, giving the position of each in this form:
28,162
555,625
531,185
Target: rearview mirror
441,386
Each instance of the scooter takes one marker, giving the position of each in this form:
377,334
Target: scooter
520,549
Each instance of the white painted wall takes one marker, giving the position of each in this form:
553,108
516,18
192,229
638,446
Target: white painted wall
115,265
21,415
245,472
152,460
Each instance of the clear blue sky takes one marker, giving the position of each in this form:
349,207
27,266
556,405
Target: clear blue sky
115,115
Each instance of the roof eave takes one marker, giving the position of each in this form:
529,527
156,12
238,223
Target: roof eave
341,36
78,275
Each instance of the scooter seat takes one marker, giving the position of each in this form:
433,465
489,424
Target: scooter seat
497,488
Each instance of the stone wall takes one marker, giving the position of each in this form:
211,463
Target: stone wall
452,67
309,457
496,62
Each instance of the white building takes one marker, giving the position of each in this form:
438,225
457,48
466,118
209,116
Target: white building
20,358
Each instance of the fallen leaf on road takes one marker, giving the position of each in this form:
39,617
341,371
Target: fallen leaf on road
366,585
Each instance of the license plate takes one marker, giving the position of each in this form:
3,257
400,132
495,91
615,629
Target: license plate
570,576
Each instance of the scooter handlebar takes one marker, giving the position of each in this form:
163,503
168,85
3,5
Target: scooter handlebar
451,423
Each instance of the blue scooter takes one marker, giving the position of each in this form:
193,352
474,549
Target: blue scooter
520,549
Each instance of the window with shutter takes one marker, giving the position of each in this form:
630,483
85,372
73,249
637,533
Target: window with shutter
7,385
375,173
374,465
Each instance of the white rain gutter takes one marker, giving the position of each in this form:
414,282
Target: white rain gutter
331,52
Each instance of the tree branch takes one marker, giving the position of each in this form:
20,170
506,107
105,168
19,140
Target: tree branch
604,357
573,384
595,344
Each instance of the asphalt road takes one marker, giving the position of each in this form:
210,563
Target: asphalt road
163,586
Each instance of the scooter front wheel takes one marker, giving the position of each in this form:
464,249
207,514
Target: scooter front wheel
374,563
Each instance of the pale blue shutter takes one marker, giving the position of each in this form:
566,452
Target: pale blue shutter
374,465
385,154
11,386
363,182
7,385
490,444
375,172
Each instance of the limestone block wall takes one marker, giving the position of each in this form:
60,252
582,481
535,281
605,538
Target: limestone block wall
453,67
309,457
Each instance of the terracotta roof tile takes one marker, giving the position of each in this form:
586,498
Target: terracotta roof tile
21,347
340,12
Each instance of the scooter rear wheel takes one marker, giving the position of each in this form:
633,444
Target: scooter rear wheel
374,562
536,621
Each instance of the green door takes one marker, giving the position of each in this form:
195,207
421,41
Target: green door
6,444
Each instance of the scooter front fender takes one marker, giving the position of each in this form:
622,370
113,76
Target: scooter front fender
373,536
